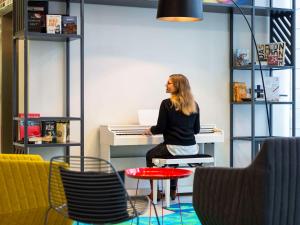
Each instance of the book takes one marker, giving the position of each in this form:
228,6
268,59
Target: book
69,24
53,24
33,127
37,11
62,132
272,53
49,131
239,91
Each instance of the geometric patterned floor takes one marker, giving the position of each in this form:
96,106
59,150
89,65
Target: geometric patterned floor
171,216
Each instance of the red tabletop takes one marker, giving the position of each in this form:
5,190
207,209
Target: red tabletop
155,173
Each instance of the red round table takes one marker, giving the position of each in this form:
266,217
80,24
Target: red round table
154,173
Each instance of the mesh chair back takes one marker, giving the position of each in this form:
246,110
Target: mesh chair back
94,191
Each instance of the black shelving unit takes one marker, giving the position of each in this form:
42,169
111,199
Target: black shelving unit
20,32
288,31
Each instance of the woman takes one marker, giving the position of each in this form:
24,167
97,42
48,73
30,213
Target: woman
178,121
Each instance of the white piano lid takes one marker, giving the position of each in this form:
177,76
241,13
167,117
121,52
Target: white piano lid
148,116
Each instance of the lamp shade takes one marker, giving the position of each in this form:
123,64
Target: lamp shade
180,10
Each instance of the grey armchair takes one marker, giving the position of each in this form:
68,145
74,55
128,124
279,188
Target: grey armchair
265,193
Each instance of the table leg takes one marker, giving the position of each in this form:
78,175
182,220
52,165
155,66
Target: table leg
154,191
167,192
162,205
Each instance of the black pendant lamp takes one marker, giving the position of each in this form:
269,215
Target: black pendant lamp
180,10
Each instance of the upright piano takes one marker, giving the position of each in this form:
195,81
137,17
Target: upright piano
119,140
124,135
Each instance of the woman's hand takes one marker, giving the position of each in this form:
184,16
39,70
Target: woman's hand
147,132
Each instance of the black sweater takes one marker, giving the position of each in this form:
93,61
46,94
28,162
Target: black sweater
177,128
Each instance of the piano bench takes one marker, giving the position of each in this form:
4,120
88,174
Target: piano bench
190,160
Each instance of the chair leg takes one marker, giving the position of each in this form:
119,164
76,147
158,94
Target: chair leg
155,213
137,220
46,216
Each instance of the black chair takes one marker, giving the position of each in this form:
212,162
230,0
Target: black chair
265,193
90,190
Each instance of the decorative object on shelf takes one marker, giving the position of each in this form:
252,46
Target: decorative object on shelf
239,91
69,24
37,11
259,93
272,88
272,54
49,131
53,24
33,127
62,132
248,96
241,57
35,140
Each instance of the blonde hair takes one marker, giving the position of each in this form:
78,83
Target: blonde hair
182,99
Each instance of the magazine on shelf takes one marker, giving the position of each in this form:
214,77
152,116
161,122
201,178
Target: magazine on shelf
49,131
272,54
69,24
37,11
62,131
33,127
53,24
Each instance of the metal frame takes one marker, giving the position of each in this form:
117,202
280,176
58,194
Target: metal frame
20,31
255,140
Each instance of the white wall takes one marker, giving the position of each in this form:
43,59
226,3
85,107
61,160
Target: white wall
128,57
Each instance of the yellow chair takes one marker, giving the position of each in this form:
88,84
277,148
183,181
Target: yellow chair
24,191
21,157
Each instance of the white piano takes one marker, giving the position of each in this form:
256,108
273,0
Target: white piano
124,135
130,137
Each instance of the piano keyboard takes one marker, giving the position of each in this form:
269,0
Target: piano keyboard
141,131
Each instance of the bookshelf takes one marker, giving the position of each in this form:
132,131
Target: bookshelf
278,31
22,33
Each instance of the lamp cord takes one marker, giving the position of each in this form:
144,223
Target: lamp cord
259,62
